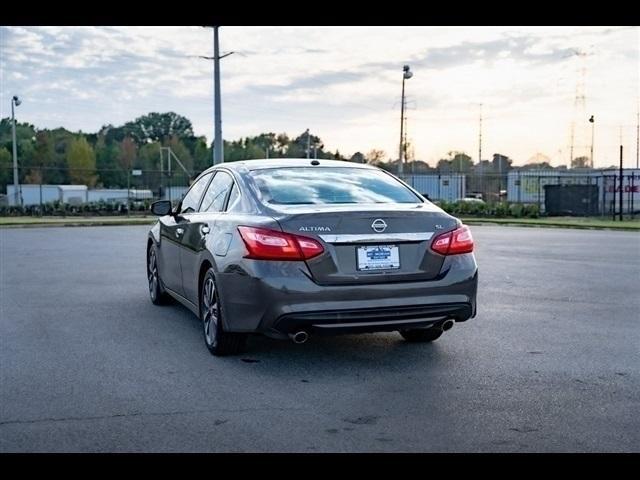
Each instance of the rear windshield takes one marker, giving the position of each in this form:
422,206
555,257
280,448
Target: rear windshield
328,185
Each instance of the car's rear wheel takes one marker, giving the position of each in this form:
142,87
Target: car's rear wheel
421,335
156,292
219,342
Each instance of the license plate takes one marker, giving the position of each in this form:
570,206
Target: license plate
378,257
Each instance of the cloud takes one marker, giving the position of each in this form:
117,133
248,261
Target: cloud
343,83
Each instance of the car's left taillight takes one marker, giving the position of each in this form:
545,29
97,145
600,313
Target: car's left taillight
267,244
454,242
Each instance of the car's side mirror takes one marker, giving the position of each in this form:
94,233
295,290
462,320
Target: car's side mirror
161,208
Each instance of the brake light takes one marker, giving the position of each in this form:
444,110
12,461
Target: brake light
266,244
454,242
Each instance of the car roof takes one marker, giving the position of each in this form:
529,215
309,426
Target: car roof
247,165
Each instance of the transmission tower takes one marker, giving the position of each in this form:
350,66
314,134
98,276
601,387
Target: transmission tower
579,107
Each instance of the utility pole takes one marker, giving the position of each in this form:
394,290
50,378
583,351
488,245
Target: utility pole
480,152
16,185
308,143
218,142
480,138
406,74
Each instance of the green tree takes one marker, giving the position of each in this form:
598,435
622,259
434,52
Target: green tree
81,161
44,166
420,167
128,154
182,152
148,160
6,165
266,141
157,127
202,155
282,144
25,144
110,172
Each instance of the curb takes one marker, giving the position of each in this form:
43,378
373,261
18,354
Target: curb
71,223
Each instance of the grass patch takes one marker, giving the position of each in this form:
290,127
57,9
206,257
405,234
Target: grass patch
560,222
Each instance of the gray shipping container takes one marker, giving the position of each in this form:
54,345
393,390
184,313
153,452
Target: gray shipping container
119,195
438,187
74,194
50,193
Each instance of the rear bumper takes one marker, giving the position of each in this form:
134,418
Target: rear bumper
278,298
371,319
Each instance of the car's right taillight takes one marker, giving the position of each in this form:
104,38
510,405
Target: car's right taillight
454,242
267,244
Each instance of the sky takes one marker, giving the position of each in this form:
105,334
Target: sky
344,84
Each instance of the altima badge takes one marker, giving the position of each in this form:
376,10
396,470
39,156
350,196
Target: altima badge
314,229
379,225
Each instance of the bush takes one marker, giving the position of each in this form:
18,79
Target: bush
531,211
500,209
93,209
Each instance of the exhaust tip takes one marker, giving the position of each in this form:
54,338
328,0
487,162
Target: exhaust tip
299,337
447,325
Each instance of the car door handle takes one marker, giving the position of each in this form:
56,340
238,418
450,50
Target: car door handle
205,229
179,232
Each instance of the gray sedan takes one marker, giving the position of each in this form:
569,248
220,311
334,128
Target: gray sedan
291,248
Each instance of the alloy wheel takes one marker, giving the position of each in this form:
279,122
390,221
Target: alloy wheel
152,273
210,312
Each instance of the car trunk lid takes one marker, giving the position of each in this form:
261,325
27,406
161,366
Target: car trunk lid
370,244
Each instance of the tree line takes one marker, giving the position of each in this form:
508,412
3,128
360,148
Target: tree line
106,158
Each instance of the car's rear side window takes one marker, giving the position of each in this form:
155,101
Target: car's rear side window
234,197
329,185
213,200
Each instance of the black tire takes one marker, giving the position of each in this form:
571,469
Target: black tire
218,342
421,335
156,292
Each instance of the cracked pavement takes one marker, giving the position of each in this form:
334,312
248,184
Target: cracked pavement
551,363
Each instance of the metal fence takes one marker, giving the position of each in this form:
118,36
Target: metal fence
117,186
516,186
100,186
529,187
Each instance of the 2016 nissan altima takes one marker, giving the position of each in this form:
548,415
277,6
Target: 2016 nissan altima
291,248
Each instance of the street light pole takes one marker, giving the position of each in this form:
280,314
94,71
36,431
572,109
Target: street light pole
308,143
15,101
593,128
406,74
638,138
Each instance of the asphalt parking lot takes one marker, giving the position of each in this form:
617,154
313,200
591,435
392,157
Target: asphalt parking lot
551,363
